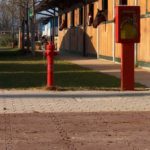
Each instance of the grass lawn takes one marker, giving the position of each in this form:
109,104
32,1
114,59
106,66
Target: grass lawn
21,71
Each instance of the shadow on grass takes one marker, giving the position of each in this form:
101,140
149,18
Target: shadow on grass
20,70
16,75
22,75
73,76
17,55
25,71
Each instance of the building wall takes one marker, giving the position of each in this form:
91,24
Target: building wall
101,41
71,38
143,51
143,54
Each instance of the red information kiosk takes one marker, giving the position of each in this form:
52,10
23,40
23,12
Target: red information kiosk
127,25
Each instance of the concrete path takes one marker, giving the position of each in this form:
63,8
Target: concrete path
71,101
141,75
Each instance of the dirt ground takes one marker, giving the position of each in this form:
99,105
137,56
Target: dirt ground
75,131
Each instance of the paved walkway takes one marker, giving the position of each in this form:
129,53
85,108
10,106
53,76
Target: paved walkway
72,101
141,75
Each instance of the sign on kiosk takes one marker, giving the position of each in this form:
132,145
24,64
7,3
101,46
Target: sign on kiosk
127,24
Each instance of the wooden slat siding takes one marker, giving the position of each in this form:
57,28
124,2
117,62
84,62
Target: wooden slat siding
74,37
68,33
88,34
79,40
69,20
76,33
144,46
117,46
67,40
147,59
79,34
110,10
105,40
105,33
91,35
59,39
116,2
143,53
117,50
148,40
76,17
89,40
148,7
100,4
131,2
94,31
142,3
63,40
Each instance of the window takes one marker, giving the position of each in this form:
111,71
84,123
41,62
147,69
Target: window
105,8
91,8
66,20
105,5
91,14
63,21
60,19
123,2
80,16
148,6
72,19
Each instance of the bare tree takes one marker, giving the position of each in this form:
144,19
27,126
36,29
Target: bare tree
5,16
15,14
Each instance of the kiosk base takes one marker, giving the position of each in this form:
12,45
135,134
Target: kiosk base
127,67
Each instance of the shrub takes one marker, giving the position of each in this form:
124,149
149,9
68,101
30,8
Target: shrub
5,40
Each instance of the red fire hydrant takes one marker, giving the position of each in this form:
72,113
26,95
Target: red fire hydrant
50,64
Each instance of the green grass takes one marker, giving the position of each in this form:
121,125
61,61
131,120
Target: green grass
21,71
68,75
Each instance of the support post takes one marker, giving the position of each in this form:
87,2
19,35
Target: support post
23,34
84,28
27,27
33,27
127,66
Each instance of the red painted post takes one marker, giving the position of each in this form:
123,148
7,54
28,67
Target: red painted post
50,64
127,66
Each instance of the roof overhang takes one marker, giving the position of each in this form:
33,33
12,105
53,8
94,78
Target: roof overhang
47,4
60,4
